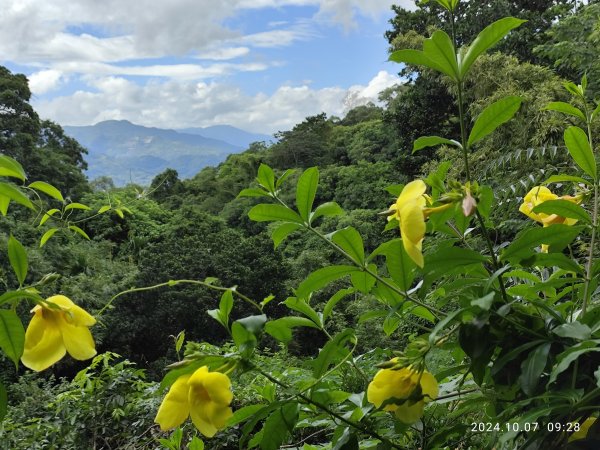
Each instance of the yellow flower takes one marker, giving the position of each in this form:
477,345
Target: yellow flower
539,195
411,211
203,395
408,210
411,390
53,331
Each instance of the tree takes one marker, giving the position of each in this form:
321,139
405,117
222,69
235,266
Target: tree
303,146
43,149
472,17
574,46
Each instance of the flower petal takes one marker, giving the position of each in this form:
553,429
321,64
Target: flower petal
75,314
410,413
412,191
175,408
412,229
429,386
77,340
43,343
218,387
200,421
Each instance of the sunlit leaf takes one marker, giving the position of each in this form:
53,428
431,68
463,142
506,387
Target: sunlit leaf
493,116
579,148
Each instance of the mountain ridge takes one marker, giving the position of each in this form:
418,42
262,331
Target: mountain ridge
128,152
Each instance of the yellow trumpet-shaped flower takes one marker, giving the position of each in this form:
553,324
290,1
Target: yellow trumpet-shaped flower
55,330
203,395
409,389
539,195
411,211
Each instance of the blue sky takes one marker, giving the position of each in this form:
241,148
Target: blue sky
261,65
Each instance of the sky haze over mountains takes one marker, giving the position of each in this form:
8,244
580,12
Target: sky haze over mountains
259,65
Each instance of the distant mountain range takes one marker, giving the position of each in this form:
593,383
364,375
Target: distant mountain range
132,153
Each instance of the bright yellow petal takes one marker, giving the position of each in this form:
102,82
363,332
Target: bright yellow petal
389,383
200,421
429,386
412,191
410,414
175,408
412,229
77,340
75,314
43,344
218,387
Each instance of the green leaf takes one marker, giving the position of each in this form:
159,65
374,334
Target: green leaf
484,302
364,281
281,329
448,259
279,425
47,235
4,202
20,294
571,354
12,335
486,39
574,330
10,191
304,308
558,236
306,190
266,178
283,231
333,351
18,259
432,141
493,116
351,242
512,354
566,108
334,300
440,50
11,168
415,58
553,260
326,209
79,231
243,413
284,176
391,323
596,112
273,213
226,305
562,178
47,215
103,209
449,5
252,192
579,148
245,332
563,208
196,444
76,205
399,265
3,402
47,189
322,277
532,368
179,341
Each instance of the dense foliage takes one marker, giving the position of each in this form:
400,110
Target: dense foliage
276,290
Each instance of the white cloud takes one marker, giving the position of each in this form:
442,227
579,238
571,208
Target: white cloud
223,54
44,81
171,104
